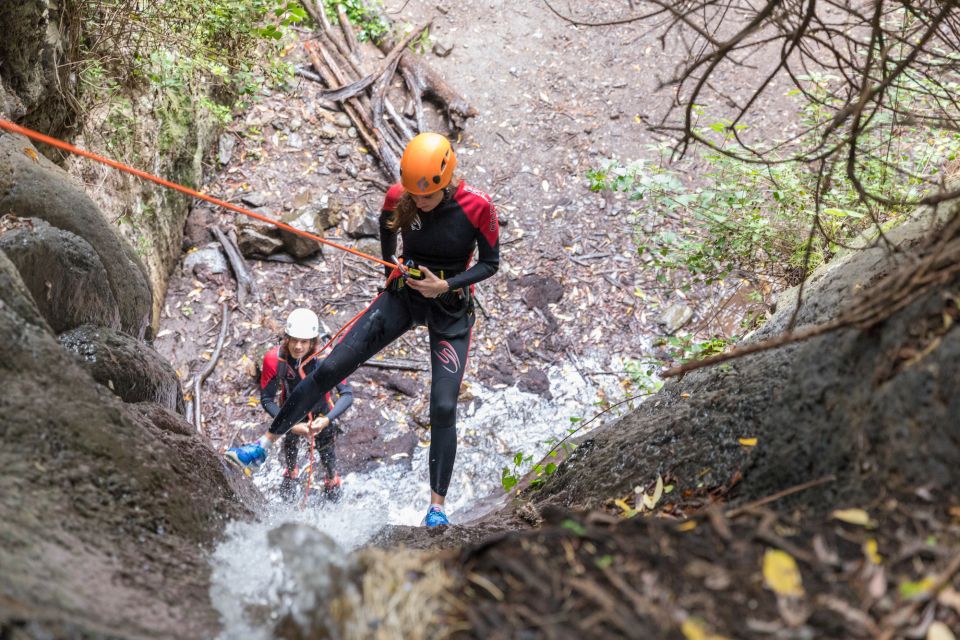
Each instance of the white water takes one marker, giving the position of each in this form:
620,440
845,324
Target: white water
248,575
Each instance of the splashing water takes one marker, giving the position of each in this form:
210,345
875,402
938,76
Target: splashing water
248,581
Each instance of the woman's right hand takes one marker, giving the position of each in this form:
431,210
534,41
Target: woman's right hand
301,429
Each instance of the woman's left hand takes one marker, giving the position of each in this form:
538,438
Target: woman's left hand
430,286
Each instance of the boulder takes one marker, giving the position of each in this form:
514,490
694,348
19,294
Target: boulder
33,187
257,239
63,273
210,259
296,245
359,223
129,368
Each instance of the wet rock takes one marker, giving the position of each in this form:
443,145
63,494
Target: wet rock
396,382
295,141
129,368
63,273
541,291
344,151
359,223
209,259
675,317
364,445
254,199
295,123
352,132
225,147
351,170
196,230
256,239
32,186
535,381
296,245
498,371
343,121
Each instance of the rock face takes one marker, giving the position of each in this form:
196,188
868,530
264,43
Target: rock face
873,409
33,187
129,368
103,505
33,80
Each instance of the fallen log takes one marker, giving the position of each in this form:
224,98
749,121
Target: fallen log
424,80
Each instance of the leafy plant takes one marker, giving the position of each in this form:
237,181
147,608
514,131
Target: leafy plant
364,14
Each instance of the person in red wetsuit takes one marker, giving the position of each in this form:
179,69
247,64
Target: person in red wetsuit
442,221
284,367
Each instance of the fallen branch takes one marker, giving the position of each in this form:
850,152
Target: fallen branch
245,283
402,365
207,370
422,79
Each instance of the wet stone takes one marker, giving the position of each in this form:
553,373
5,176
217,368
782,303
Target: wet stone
344,151
343,121
327,132
535,381
295,141
359,223
352,132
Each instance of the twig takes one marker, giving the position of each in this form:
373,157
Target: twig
347,29
733,513
207,370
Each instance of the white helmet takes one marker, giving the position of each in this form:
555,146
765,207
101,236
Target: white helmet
302,324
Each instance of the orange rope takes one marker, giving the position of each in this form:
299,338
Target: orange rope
59,144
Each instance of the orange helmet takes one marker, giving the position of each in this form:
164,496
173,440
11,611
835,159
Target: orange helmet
427,164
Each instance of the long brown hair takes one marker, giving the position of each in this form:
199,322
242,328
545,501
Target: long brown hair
406,210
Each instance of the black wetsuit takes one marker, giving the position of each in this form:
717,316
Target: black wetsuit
281,374
443,240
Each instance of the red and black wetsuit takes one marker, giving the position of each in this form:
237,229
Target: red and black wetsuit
444,241
280,375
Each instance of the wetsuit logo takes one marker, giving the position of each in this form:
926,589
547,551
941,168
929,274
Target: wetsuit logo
447,357
416,225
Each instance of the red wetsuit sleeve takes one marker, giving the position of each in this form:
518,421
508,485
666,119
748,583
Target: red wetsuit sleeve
483,216
388,238
269,383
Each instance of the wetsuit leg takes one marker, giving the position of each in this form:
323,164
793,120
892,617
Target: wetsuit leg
384,321
291,448
448,359
325,444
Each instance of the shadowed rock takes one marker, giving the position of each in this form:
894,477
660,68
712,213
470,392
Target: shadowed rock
63,273
129,368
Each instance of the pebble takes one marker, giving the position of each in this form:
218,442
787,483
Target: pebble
344,151
343,120
352,132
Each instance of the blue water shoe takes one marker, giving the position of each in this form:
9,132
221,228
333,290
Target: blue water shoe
435,517
248,457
